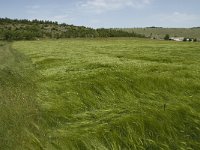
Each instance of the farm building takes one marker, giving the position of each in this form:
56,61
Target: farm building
179,39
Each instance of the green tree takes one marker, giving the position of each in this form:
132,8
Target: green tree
166,37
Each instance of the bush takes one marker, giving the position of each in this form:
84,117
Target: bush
185,39
166,37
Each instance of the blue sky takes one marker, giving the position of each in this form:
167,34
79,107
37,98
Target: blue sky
107,13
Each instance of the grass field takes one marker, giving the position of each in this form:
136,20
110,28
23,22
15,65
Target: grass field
100,94
159,33
18,105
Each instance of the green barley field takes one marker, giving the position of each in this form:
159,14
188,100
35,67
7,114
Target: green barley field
99,94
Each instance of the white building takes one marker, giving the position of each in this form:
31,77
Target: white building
179,39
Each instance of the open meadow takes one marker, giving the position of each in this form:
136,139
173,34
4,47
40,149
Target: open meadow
103,94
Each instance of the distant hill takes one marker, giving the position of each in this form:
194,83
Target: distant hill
159,33
195,28
14,29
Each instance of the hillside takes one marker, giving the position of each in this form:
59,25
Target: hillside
13,29
159,33
103,94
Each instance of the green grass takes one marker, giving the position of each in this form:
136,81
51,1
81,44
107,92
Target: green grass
103,94
19,110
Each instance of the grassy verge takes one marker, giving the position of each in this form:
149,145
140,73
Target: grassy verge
18,107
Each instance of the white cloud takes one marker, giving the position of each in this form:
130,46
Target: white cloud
175,19
178,17
60,17
100,6
33,9
95,21
33,6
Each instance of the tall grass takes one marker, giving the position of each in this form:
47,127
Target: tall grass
113,93
18,107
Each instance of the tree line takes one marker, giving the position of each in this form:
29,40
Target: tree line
16,29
